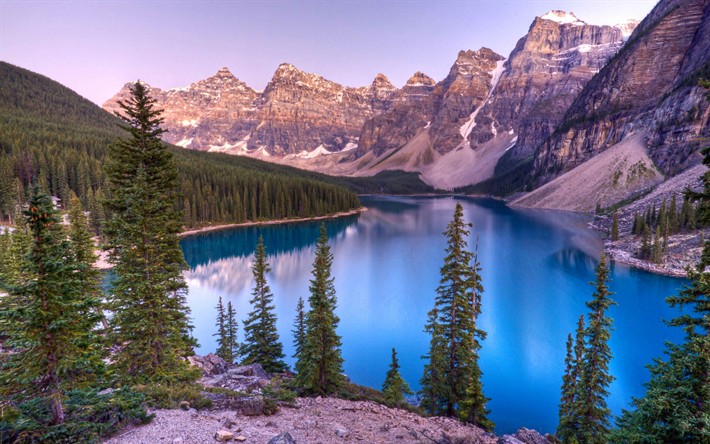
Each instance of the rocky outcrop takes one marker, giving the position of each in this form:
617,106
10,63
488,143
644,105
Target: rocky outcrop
244,378
211,364
443,107
651,84
543,74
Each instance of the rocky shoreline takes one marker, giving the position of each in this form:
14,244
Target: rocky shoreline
271,222
244,418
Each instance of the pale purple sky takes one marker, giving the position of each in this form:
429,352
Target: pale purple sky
94,47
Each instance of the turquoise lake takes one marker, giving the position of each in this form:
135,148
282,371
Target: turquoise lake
536,271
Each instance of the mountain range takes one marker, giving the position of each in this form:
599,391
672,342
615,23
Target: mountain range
567,92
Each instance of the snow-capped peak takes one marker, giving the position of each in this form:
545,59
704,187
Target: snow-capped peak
562,17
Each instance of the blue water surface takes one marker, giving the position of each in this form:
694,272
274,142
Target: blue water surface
536,271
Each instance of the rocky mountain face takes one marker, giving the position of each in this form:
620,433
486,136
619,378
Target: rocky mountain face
214,111
443,107
484,104
543,74
650,85
296,112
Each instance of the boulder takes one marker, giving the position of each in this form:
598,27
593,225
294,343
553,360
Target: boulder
509,439
248,370
249,405
530,436
284,438
211,364
223,436
219,365
341,431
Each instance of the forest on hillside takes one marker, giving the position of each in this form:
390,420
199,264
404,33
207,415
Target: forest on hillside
61,139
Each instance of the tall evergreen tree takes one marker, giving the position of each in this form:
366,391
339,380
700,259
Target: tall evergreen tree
646,243
594,378
457,305
299,329
224,350
432,383
83,246
232,326
150,314
673,221
50,319
395,387
320,366
568,427
261,340
569,388
615,228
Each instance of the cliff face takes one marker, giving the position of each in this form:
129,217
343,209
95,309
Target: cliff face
296,112
649,85
213,111
544,74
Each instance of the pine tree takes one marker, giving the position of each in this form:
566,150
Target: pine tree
299,329
598,209
233,347
615,228
395,387
49,318
634,227
594,378
320,366
261,340
568,427
646,243
150,314
569,388
432,383
673,216
83,246
457,305
223,343
691,225
657,254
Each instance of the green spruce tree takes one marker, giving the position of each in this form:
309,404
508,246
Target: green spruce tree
83,246
568,427
261,340
432,383
455,352
150,319
395,387
50,319
299,329
224,350
615,228
232,326
320,366
594,378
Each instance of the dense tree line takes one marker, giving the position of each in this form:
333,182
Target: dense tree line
657,224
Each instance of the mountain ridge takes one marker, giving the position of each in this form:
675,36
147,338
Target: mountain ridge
304,120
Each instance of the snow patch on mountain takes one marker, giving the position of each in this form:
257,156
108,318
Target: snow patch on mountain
563,18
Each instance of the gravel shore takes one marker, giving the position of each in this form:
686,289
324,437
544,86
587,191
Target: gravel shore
314,420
